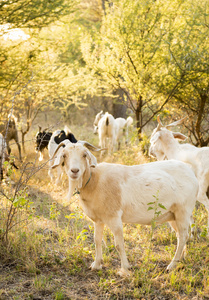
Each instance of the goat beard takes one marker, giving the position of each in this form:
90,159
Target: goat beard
74,184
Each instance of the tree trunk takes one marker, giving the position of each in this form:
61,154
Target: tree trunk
138,113
201,142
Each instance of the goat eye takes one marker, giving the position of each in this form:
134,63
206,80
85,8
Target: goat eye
84,155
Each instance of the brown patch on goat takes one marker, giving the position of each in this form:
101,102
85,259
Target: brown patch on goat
106,201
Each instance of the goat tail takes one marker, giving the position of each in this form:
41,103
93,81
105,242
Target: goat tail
107,121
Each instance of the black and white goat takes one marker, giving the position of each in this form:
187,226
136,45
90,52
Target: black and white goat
42,141
59,136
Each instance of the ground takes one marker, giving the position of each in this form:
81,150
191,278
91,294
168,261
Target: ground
50,246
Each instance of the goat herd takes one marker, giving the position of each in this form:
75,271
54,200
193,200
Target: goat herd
113,194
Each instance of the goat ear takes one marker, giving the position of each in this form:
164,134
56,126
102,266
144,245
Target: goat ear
155,136
92,159
39,128
180,136
58,160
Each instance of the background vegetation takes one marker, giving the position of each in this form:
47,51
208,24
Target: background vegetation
61,63
149,55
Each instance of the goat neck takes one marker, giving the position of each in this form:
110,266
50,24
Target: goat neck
87,177
170,146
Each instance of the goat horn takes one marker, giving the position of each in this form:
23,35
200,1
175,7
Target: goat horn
90,146
62,144
176,122
159,123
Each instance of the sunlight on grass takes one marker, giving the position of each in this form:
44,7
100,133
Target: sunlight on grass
52,241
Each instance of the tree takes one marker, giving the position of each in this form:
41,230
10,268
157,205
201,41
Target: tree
28,64
187,60
151,50
127,55
34,14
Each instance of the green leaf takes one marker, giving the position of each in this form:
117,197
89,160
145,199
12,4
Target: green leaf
161,206
150,203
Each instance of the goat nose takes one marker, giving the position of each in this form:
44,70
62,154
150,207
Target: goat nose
75,170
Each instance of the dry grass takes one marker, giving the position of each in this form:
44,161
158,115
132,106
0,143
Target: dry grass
51,247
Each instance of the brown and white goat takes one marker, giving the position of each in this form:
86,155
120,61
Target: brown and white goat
9,131
113,194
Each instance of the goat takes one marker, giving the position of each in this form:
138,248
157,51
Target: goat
164,144
42,141
122,128
107,130
111,194
96,121
4,156
57,137
9,131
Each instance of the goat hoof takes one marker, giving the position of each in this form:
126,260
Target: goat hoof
95,266
171,266
123,272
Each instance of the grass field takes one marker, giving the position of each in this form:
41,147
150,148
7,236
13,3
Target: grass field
47,242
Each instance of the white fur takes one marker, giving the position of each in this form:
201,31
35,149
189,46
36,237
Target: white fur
51,149
111,134
122,128
107,133
164,144
96,120
111,194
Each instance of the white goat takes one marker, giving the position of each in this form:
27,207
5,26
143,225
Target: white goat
57,137
164,144
52,146
112,194
96,120
122,129
107,130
